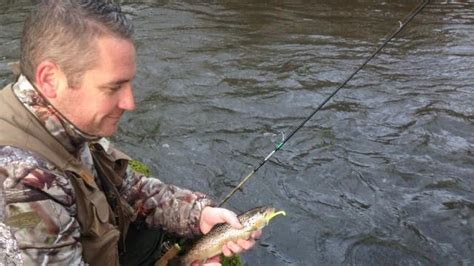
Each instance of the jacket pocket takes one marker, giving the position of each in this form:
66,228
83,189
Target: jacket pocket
101,250
99,236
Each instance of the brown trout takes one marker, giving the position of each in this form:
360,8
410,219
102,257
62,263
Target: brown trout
211,244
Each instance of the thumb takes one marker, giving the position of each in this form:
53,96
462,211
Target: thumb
231,218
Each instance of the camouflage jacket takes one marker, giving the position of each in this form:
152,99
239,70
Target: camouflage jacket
46,231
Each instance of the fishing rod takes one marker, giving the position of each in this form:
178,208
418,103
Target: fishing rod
402,25
175,249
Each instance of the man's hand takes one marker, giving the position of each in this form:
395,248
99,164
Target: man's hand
211,216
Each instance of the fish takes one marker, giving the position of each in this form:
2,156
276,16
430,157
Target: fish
211,244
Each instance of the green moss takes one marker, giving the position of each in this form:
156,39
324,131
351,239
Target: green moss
231,261
139,167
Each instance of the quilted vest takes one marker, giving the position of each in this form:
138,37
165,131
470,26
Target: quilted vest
103,214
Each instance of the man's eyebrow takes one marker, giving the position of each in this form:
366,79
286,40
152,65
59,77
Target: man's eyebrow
117,82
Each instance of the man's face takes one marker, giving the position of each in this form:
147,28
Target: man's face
105,92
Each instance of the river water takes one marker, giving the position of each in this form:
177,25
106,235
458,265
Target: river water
383,175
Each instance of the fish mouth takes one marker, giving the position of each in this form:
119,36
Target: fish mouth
273,214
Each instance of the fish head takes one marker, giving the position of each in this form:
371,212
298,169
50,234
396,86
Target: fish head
257,218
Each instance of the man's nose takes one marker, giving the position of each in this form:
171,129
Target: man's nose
127,102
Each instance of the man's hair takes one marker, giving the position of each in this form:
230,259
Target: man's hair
64,31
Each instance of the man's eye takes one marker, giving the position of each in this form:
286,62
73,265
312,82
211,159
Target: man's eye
114,88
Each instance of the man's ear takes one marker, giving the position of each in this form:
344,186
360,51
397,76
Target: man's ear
49,78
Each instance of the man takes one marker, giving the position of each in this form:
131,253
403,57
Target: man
67,196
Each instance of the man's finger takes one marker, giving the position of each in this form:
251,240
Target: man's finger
256,234
231,218
246,244
234,247
226,251
213,261
212,264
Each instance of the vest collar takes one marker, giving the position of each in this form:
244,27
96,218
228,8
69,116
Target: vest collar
56,124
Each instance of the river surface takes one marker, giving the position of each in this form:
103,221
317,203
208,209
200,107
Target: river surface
383,175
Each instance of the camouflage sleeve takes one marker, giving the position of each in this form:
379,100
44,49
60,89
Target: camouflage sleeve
9,253
164,206
38,210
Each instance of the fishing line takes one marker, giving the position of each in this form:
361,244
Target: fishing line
402,25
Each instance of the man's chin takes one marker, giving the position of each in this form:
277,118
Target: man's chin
105,129
107,132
